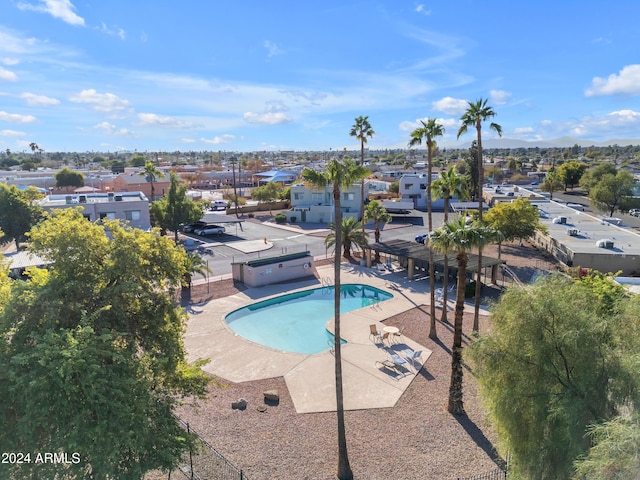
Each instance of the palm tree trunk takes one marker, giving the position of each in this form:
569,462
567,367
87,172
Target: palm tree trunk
432,285
344,469
445,279
455,405
476,309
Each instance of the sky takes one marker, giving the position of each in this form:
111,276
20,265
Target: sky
166,75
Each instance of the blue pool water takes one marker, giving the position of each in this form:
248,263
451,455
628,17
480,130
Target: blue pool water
296,322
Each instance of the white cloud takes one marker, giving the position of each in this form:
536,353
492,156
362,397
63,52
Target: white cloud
627,82
420,9
38,100
499,97
11,133
267,118
10,61
114,32
62,9
226,138
151,119
546,123
16,118
110,129
521,130
7,75
450,105
102,102
447,123
188,140
272,49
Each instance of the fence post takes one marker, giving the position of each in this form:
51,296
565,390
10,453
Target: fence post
190,455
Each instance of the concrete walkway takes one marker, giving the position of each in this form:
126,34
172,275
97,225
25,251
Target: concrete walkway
310,378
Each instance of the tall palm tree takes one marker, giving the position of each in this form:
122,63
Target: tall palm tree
361,129
352,235
476,113
376,212
428,132
152,172
459,236
340,174
448,185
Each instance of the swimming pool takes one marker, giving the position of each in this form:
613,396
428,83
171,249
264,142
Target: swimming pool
296,322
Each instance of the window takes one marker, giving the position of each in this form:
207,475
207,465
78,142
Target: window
298,195
348,196
132,215
423,186
317,197
408,186
108,215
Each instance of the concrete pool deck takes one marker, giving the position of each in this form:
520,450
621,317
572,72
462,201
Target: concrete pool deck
310,378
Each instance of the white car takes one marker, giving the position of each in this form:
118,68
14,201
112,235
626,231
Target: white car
210,230
218,205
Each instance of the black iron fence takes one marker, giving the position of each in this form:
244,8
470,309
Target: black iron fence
206,463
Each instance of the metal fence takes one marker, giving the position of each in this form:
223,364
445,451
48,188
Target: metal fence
206,463
498,474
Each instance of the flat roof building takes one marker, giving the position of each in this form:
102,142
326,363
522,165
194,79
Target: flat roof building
130,207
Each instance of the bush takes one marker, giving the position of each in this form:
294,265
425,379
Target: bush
281,218
293,220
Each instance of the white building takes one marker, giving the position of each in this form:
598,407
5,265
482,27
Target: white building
413,187
130,207
316,206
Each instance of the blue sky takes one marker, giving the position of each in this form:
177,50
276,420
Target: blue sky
97,75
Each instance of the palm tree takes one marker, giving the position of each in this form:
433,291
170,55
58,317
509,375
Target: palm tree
193,264
475,114
448,185
339,175
352,234
376,212
427,132
152,172
457,235
361,130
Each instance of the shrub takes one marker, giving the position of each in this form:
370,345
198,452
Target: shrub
281,218
293,220
470,289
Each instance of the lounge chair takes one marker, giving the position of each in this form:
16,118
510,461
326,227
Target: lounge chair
398,360
373,332
412,356
391,366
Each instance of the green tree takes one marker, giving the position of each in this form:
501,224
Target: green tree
428,131
152,172
69,178
517,220
362,131
19,211
267,193
394,187
552,182
92,359
460,237
175,208
571,173
611,191
547,370
376,212
138,161
448,185
476,114
351,236
592,176
339,174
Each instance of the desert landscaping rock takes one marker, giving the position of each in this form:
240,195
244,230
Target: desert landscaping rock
239,404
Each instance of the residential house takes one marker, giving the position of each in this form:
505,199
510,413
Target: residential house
133,182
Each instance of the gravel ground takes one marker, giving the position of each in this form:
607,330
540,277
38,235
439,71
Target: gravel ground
416,439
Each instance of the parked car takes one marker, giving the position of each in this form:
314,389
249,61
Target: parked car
576,206
634,212
218,205
192,227
210,230
422,238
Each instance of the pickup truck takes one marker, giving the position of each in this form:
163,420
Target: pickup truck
401,206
